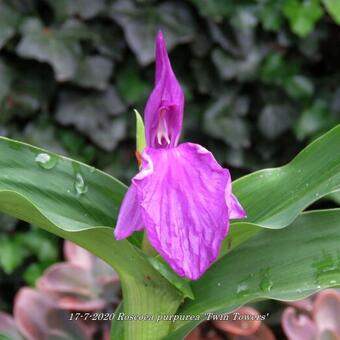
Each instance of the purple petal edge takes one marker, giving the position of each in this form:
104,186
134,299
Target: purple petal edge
129,217
234,207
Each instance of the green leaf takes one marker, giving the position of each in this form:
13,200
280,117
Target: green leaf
140,133
302,15
130,84
12,254
181,284
54,46
299,87
275,119
140,25
333,8
273,198
86,9
94,72
6,80
243,68
34,271
9,21
315,118
215,8
270,15
79,203
223,120
94,115
117,332
306,252
335,196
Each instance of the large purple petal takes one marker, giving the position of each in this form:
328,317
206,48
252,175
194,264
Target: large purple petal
129,218
182,195
163,113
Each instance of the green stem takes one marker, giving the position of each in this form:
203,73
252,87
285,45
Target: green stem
145,291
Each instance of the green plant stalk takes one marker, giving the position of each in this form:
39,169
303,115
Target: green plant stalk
145,291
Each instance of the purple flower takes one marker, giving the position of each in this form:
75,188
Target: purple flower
181,196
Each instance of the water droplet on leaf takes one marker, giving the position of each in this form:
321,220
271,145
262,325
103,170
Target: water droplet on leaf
266,283
242,288
80,185
46,161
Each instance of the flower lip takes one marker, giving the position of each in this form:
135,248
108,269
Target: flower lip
186,229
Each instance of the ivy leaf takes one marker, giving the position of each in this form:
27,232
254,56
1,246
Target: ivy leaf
215,8
316,117
42,132
9,21
270,15
6,80
241,69
86,9
54,46
12,254
140,25
107,39
333,8
92,114
94,72
275,119
24,96
131,85
302,15
223,121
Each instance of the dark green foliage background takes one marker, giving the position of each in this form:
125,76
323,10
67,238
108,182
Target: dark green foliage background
261,80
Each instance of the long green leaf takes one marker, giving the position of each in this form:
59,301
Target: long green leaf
69,194
286,264
273,198
80,203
